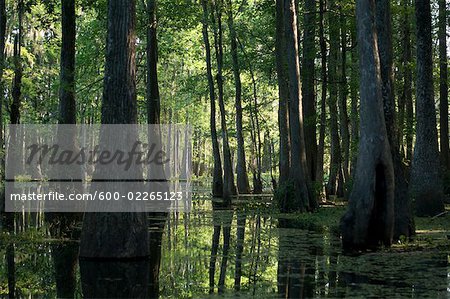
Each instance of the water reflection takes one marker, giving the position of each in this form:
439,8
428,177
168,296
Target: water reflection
115,279
246,250
295,273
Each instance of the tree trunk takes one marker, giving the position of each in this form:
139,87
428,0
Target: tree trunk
323,97
67,104
407,80
117,235
404,220
335,160
62,225
303,199
153,98
217,186
157,221
443,86
354,117
2,102
283,94
343,93
229,188
426,185
369,219
308,94
241,169
17,81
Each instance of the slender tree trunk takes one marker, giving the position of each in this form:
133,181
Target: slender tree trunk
17,81
407,79
283,94
217,186
354,117
62,225
241,169
153,98
67,104
404,220
257,180
308,94
303,198
369,219
323,97
443,86
129,237
229,188
2,101
335,160
343,93
156,220
426,185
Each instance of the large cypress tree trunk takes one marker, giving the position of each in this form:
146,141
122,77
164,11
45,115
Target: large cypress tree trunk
283,94
404,220
335,159
241,169
228,178
426,185
369,219
303,198
128,237
217,185
443,86
308,95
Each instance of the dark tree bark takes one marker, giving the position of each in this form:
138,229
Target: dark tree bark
343,94
254,116
117,235
443,86
2,100
217,186
426,185
369,219
404,220
354,117
65,255
18,72
323,96
303,198
157,221
241,169
406,96
308,94
153,98
229,188
283,94
67,104
335,159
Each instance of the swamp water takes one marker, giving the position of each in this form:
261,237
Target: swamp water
247,251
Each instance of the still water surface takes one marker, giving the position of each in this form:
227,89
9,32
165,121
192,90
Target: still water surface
246,251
